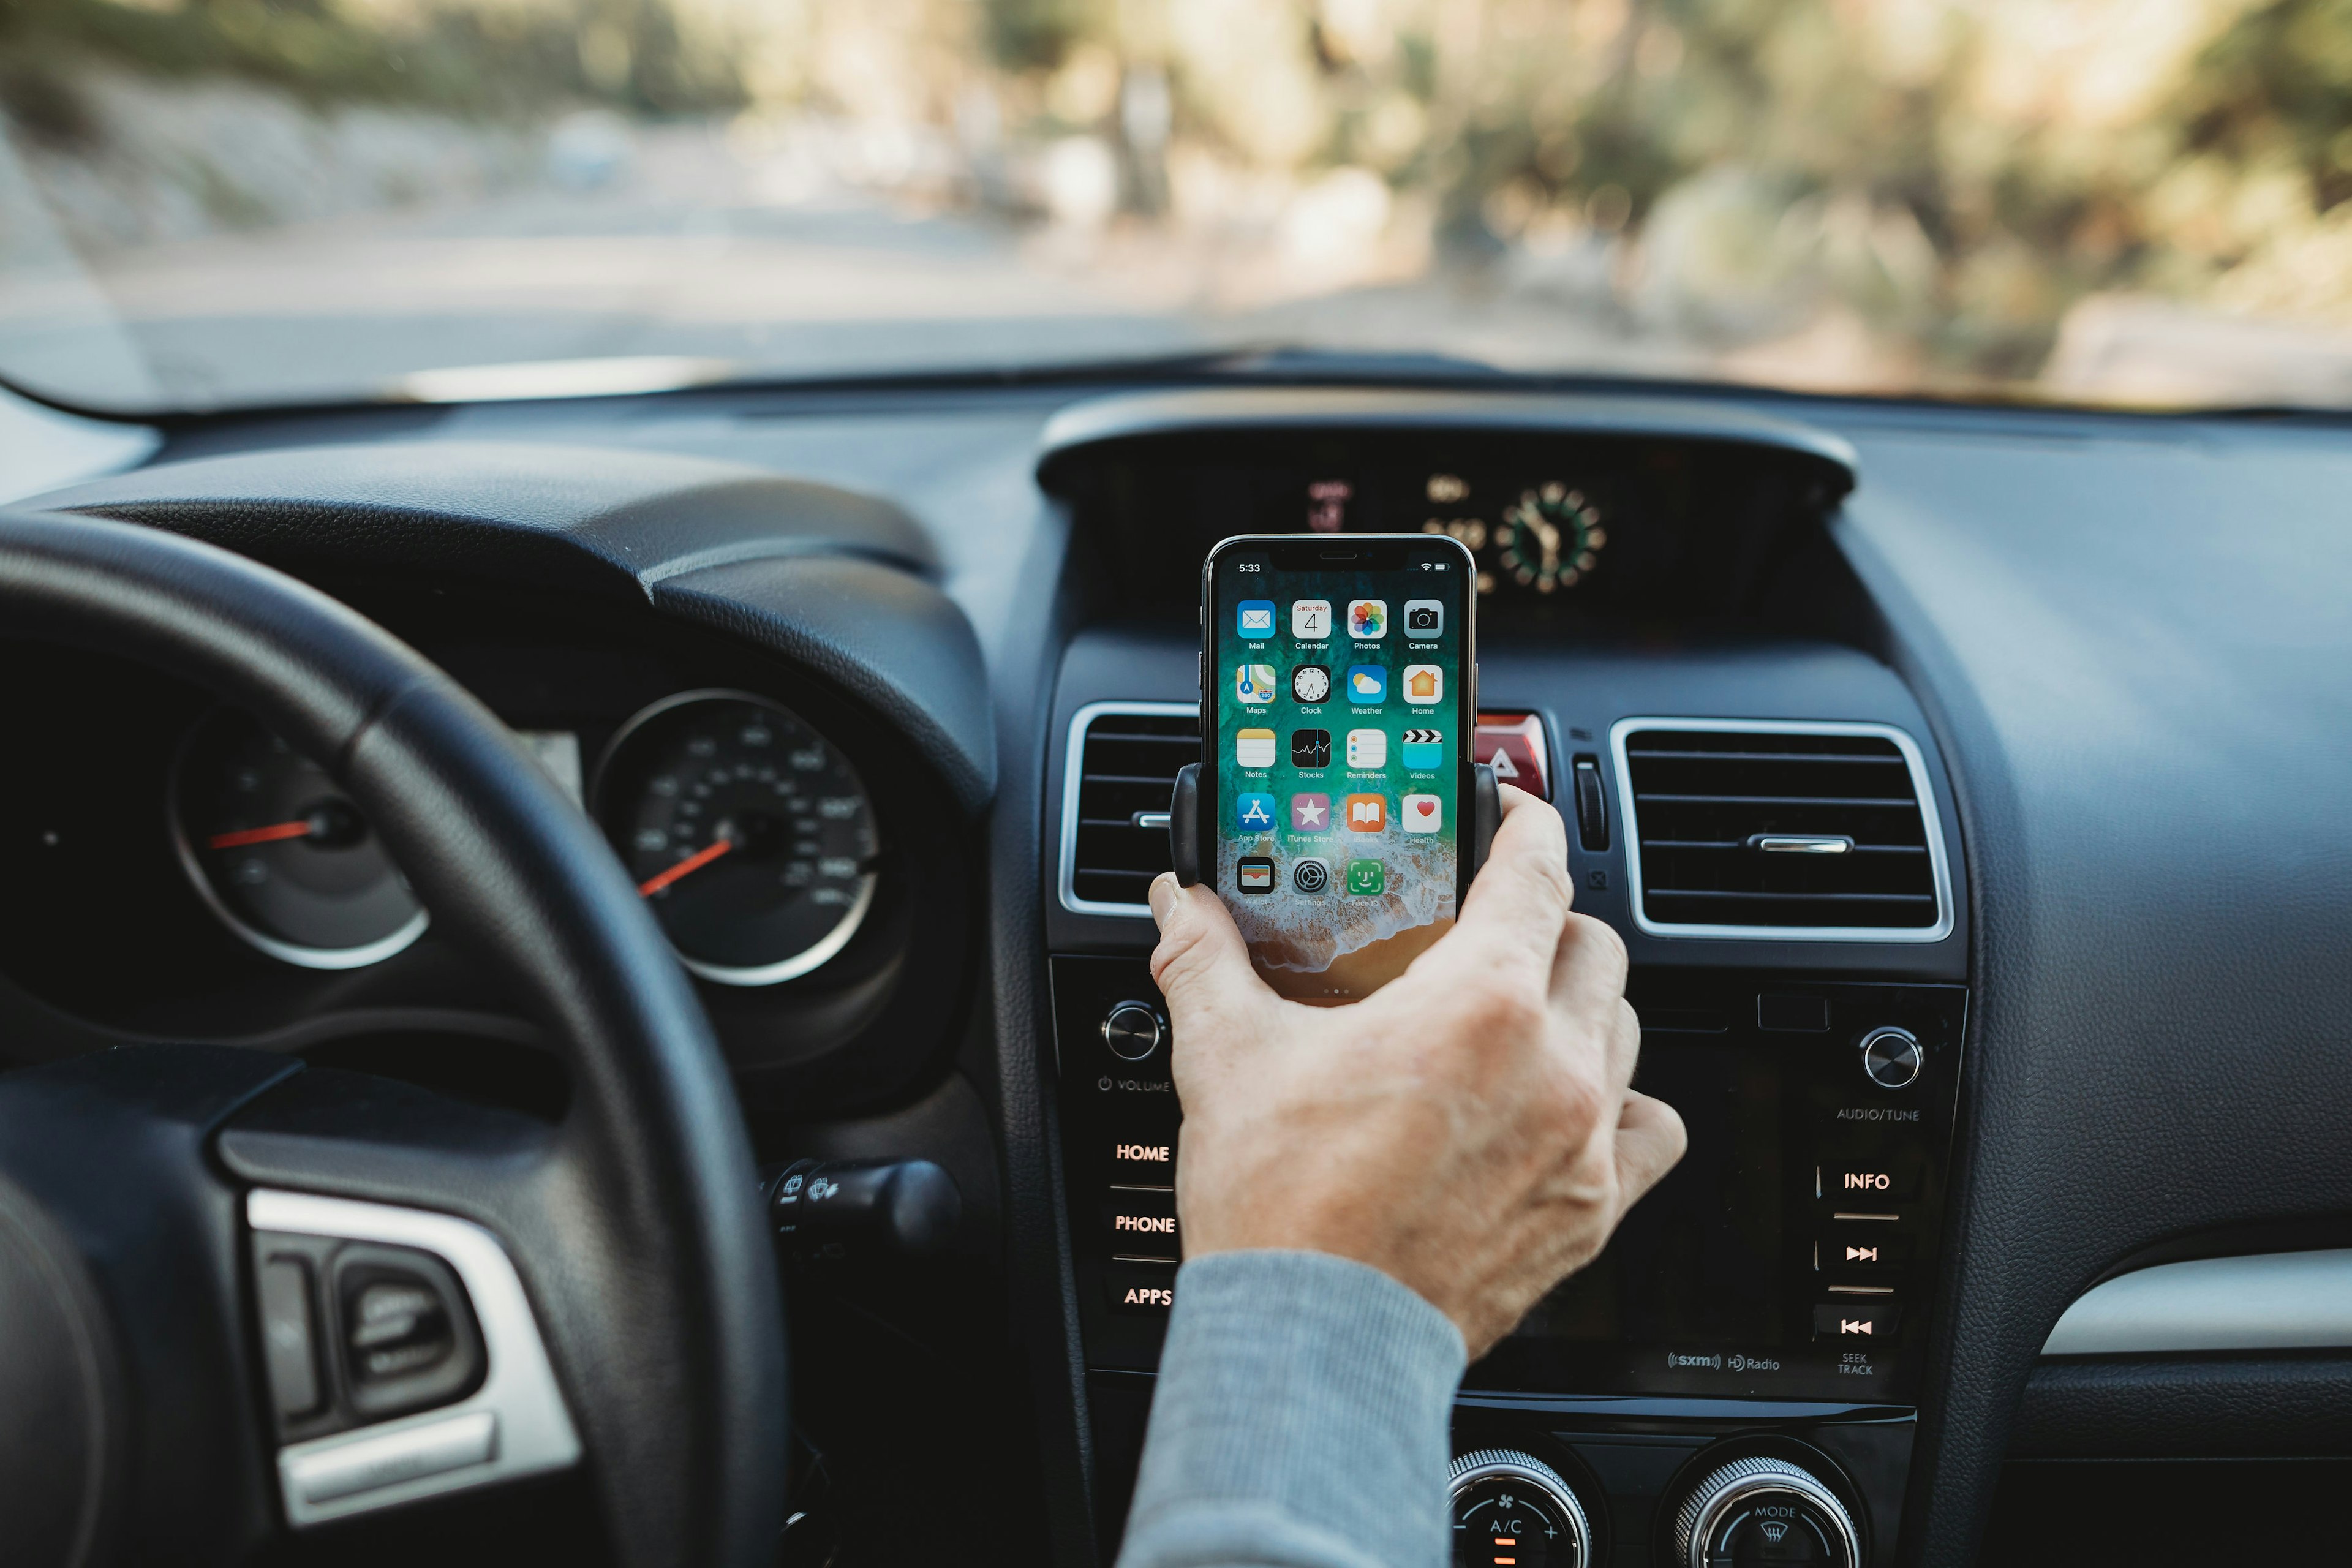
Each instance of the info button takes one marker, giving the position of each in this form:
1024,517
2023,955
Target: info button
1855,1322
1877,1181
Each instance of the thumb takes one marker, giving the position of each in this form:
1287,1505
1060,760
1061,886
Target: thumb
1202,967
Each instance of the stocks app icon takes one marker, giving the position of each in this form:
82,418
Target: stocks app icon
1310,748
1310,875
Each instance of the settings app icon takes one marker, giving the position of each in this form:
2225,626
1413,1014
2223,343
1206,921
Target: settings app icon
1310,875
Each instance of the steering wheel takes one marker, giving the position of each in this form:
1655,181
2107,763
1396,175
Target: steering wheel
187,1233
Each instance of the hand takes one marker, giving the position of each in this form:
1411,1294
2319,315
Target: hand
1468,1130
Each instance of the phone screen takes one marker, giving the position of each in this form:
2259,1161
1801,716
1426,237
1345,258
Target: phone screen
1335,767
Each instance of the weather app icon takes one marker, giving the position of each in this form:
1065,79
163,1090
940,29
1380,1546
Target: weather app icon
1253,813
1257,618
1254,682
1366,683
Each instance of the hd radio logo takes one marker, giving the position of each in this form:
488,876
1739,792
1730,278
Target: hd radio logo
1424,750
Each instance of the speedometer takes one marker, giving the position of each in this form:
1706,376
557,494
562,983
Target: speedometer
1549,538
749,836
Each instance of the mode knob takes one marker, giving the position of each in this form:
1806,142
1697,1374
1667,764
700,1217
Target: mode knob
1892,1058
1512,1508
1756,1510
1133,1030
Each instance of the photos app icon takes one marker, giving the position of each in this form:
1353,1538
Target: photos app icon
1368,619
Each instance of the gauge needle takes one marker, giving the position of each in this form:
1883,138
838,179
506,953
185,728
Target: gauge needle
269,835
686,868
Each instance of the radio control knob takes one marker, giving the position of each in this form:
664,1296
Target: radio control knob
1892,1058
1760,1510
1133,1030
1509,1507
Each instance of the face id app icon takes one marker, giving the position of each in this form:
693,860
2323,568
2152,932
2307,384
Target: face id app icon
1368,812
1368,684
1424,750
1425,617
1368,619
1253,813
1311,814
1310,748
1368,749
1366,878
1255,617
1310,683
1310,619
1310,875
1422,813
1254,748
1256,874
1254,683
1424,683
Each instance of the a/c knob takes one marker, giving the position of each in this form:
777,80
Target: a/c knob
1133,1030
1755,1511
1512,1508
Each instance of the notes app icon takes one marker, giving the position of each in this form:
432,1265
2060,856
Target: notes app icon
1254,748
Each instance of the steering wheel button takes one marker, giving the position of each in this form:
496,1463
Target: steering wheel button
290,1342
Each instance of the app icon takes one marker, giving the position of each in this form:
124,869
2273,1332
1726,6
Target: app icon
1424,683
1311,682
1368,619
1424,750
1253,813
1368,749
1368,812
1257,618
1367,684
1310,619
1254,748
1310,813
1254,682
1425,617
1256,874
1310,875
1310,748
1366,878
1421,813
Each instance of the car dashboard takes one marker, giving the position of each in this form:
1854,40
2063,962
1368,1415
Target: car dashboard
1955,778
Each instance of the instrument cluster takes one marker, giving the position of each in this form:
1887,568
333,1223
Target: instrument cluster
1542,537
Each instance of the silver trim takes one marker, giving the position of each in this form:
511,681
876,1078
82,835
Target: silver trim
359,957
1742,1479
1800,843
809,958
1922,789
1487,1463
1889,1032
530,1430
2277,1301
1073,764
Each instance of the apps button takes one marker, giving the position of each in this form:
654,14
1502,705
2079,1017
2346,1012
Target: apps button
1368,619
1254,748
1256,874
1310,748
1310,813
1368,749
1424,750
1254,683
1310,875
1311,682
1366,878
1424,683
1425,617
1253,813
1366,683
1310,619
1422,813
1255,617
1368,812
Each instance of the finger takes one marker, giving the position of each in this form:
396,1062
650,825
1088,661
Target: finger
1521,896
1650,1140
1622,1043
1202,967
1588,969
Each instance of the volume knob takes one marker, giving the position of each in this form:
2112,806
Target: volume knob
1758,1510
1512,1508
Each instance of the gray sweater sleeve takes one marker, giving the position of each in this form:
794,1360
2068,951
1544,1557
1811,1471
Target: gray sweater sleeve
1299,1420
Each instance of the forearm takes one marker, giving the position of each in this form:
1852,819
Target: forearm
1299,1421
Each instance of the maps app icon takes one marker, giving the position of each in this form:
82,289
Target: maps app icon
1257,618
1254,682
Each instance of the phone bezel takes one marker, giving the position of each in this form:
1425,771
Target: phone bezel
1339,552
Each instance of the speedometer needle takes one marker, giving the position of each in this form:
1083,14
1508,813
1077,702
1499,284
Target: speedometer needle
686,868
269,835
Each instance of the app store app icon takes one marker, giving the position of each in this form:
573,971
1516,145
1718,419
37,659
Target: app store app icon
1253,813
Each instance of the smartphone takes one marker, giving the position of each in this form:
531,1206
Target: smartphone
1340,703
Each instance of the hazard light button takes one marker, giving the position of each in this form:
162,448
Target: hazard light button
1855,1322
1512,745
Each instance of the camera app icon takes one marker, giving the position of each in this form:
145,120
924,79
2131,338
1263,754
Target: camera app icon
1425,617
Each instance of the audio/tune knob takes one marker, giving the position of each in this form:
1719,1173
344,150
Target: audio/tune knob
1512,1508
1759,1510
1133,1030
1892,1058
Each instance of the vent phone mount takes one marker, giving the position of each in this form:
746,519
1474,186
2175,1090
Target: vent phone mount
1184,820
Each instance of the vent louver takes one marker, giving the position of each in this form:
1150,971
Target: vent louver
1122,767
1790,831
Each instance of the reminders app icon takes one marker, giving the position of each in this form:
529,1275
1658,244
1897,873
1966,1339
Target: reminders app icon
1257,618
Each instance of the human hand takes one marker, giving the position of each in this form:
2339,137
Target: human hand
1468,1130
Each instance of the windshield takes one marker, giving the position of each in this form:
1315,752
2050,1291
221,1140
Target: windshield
210,203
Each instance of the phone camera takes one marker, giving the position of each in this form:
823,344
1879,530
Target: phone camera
1310,875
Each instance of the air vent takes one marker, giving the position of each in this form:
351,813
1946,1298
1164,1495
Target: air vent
1793,831
1122,766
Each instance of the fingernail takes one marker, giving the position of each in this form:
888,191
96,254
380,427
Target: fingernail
1163,897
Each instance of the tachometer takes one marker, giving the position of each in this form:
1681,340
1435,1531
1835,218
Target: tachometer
750,837
1549,538
277,851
